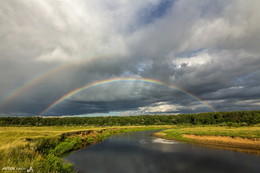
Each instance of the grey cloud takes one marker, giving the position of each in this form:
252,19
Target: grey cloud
208,48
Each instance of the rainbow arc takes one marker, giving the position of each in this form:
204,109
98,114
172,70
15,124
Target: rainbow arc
123,79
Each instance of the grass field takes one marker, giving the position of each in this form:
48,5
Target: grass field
245,138
43,147
13,136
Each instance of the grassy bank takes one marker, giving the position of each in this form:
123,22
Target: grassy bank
42,148
245,139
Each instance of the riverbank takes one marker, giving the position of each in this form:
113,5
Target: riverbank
42,148
242,139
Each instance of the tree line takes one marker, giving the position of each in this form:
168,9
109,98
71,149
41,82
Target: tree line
234,118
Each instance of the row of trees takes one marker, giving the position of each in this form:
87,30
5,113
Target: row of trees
223,118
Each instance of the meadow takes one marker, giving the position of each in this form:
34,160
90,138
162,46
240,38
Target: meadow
41,142
244,139
42,148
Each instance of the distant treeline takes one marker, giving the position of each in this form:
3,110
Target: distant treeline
238,118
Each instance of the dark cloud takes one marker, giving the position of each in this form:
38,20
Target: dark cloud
50,48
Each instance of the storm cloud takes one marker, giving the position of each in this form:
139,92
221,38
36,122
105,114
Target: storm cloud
207,52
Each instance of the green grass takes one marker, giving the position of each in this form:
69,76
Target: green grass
43,147
244,132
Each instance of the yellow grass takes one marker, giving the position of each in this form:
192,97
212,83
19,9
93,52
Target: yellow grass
227,141
247,137
15,136
23,147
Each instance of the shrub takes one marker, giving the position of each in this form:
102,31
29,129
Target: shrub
67,146
53,163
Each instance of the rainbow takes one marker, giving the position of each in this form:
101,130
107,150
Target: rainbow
29,84
26,86
123,79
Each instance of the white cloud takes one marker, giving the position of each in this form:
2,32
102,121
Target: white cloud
197,59
160,107
56,55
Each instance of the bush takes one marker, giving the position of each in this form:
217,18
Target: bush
67,146
53,163
43,145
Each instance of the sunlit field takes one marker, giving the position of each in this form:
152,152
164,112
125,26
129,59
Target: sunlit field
233,137
13,136
247,131
43,147
41,143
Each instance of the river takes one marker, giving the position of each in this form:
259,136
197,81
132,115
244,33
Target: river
138,152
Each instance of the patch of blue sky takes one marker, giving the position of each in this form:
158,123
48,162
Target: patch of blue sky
99,114
153,12
243,79
190,53
211,8
142,67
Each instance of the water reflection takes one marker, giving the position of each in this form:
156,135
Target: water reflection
139,152
163,141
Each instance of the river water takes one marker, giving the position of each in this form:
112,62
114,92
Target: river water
138,152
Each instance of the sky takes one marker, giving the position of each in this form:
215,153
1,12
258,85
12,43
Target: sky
160,56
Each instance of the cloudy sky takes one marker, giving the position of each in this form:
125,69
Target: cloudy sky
206,50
